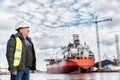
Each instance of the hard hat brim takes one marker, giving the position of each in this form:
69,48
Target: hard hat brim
22,27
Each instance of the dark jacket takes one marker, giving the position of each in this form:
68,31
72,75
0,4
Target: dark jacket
11,44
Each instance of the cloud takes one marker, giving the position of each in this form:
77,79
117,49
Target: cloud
108,9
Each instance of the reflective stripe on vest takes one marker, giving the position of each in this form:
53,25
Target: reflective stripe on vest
18,52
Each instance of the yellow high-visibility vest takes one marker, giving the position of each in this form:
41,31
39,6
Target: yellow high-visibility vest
18,52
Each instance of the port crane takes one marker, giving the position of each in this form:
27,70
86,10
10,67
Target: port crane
97,37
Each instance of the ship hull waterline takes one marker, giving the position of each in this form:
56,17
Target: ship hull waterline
72,65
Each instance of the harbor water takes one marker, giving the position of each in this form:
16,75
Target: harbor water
81,76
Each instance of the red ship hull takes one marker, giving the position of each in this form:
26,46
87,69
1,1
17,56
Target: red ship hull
71,65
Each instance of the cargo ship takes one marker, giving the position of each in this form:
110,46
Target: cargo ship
76,58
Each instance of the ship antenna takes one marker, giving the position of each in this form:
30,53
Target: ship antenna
68,34
97,36
52,54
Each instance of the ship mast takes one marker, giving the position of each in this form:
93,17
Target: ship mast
97,36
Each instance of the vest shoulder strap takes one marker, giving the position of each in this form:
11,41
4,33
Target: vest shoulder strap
18,51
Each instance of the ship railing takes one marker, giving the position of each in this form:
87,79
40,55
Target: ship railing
49,60
81,57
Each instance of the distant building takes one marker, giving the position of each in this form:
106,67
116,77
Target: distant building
104,63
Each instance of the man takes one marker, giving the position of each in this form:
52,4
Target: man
20,53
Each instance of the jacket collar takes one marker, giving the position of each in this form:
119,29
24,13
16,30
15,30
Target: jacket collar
20,35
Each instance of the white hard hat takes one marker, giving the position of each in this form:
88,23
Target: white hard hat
21,24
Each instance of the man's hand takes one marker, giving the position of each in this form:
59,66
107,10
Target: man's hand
14,73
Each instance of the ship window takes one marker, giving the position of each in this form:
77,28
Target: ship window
85,58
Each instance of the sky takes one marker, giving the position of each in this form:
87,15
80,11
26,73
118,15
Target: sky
53,22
